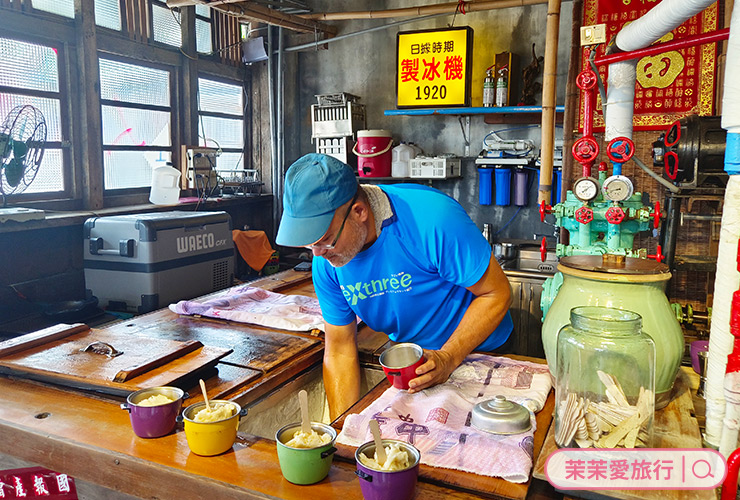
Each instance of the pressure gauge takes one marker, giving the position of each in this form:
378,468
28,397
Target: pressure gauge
617,188
586,188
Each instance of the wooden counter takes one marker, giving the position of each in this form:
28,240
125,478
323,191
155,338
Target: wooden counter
89,437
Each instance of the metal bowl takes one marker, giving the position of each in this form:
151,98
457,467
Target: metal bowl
501,416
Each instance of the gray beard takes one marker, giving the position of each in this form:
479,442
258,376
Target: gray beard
354,245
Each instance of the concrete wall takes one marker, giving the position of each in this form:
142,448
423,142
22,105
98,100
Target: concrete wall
364,65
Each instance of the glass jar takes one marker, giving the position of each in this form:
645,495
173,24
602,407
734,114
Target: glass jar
605,380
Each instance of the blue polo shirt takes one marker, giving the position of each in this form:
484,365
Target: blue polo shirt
411,283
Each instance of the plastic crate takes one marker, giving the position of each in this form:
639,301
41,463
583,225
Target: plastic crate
423,167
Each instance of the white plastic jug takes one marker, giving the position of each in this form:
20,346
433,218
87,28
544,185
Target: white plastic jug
165,186
401,162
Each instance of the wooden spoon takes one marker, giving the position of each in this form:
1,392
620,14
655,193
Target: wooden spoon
379,450
305,422
205,396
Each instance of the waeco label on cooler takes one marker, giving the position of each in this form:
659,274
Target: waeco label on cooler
433,67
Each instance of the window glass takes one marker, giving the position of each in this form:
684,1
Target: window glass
218,97
203,10
29,75
108,14
48,107
203,36
166,25
135,127
64,8
134,83
136,112
50,175
28,66
131,169
226,132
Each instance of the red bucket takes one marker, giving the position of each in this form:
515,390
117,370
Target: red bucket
373,150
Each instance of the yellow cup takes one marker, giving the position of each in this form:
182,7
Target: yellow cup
211,438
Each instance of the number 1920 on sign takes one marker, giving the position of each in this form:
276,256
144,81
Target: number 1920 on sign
433,67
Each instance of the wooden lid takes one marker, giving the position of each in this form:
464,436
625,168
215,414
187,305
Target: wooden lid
629,269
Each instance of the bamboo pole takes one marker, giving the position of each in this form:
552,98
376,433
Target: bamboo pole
548,100
442,8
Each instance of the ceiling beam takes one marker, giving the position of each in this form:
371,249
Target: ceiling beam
251,11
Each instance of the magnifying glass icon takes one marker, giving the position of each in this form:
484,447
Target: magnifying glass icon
709,470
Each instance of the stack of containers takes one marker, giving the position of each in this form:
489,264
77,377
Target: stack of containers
335,121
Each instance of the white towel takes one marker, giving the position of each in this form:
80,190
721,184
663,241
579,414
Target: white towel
437,420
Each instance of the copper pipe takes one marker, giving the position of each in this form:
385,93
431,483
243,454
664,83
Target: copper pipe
442,8
549,76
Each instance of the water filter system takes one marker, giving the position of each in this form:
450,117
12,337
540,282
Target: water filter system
500,161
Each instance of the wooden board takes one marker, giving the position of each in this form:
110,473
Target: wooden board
252,347
674,427
496,487
150,361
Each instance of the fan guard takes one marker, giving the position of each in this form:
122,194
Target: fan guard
22,141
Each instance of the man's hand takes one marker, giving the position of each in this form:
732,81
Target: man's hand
437,369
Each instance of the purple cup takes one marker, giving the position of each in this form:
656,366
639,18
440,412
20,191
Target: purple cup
154,421
694,349
385,485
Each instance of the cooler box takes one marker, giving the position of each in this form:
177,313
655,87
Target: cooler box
142,262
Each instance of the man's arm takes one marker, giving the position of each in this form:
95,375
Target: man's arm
492,300
341,368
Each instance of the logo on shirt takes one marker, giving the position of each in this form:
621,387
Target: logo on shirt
396,283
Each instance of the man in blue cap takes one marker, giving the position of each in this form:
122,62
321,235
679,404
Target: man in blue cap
405,258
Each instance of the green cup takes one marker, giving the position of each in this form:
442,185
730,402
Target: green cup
305,465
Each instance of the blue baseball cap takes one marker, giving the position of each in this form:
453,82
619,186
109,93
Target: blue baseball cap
315,186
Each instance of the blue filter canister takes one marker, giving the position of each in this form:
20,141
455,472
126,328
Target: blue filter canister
556,185
520,187
503,186
485,185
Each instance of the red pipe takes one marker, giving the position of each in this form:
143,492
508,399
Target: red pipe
689,41
588,112
729,488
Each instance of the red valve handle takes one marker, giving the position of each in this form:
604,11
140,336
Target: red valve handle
544,209
673,134
656,215
672,174
585,149
584,215
658,255
614,215
620,149
586,80
543,249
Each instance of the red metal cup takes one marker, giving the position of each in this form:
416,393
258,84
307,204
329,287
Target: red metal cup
400,362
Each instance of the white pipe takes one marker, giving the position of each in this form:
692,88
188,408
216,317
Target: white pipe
731,422
661,19
664,17
620,99
727,277
727,280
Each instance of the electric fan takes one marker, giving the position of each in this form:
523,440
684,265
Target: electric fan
22,140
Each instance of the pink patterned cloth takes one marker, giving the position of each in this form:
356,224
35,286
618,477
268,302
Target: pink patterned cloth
437,420
246,304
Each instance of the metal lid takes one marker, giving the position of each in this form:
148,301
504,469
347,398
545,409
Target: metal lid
630,266
501,416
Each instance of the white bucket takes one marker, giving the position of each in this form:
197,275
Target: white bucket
165,186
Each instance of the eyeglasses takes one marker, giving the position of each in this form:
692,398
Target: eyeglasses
319,246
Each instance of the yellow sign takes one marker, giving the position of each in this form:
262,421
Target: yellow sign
433,67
